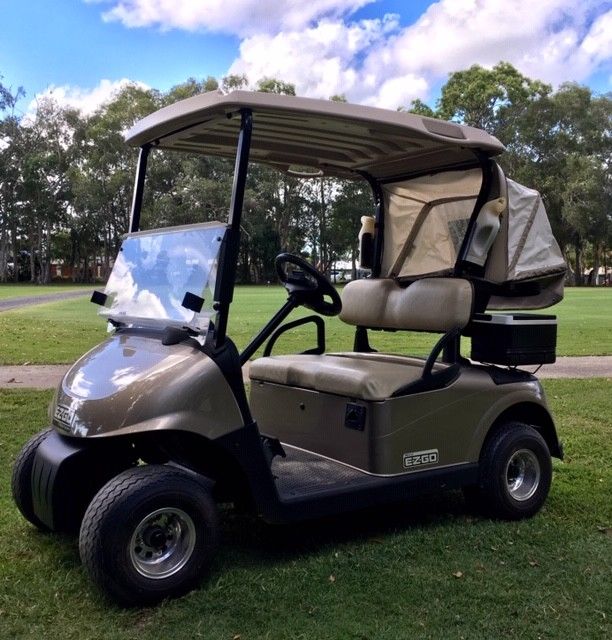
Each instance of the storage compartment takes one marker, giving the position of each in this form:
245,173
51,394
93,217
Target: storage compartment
406,434
513,339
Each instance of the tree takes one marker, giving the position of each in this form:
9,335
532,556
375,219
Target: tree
234,82
562,145
46,155
8,100
102,179
9,176
491,99
353,200
66,180
419,108
191,87
272,85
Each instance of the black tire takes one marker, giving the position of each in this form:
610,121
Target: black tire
21,479
515,473
122,542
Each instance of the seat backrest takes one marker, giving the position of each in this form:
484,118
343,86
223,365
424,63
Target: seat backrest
429,304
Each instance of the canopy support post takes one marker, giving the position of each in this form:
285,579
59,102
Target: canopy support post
224,289
139,182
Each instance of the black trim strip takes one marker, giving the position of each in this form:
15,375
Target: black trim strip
228,260
139,182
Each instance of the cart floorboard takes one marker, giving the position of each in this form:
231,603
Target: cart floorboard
303,473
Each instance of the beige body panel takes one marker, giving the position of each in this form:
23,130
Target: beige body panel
454,420
132,383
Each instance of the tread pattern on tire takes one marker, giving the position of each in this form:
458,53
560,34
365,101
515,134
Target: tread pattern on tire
22,495
114,491
490,492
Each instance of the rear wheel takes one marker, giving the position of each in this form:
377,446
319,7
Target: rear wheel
515,473
21,480
149,534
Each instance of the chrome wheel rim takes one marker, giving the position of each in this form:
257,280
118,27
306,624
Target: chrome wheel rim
162,543
522,474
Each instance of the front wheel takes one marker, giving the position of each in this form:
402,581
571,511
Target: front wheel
515,473
149,534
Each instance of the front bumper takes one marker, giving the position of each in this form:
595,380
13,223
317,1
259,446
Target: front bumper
66,474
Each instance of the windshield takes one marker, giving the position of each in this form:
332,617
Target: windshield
155,269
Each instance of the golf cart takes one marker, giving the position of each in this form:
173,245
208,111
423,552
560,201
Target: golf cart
153,427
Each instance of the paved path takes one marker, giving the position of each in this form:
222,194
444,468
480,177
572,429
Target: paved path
14,303
48,376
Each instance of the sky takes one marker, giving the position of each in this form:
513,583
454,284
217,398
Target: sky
378,52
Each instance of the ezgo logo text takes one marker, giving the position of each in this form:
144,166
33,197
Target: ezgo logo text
417,458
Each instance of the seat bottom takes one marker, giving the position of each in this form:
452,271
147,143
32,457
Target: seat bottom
365,376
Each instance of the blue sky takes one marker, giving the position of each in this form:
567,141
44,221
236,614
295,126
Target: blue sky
383,52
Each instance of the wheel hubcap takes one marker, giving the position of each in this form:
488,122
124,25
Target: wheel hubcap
162,543
522,474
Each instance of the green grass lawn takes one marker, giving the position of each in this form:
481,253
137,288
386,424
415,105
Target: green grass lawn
384,574
25,290
585,322
60,332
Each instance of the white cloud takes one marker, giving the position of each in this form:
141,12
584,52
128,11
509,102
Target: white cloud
596,48
85,100
398,91
542,39
315,45
377,63
320,60
241,17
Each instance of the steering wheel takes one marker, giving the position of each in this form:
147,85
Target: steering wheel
306,285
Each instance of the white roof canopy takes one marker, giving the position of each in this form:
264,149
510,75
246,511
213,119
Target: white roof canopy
332,137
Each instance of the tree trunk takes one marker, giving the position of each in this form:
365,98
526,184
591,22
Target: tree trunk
15,246
33,242
4,244
596,263
578,253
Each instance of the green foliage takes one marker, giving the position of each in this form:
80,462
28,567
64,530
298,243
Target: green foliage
422,569
272,85
563,146
419,108
8,99
66,179
234,82
353,200
488,98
